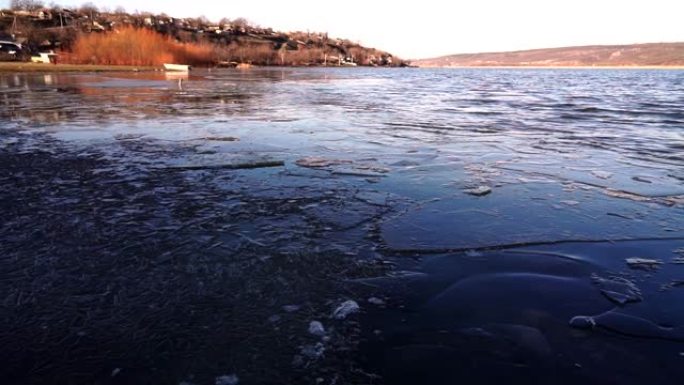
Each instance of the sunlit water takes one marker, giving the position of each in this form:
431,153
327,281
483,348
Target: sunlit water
582,170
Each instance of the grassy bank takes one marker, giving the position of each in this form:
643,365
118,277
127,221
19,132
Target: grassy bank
39,67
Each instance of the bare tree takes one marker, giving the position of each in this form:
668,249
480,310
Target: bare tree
224,22
26,5
241,22
88,8
203,21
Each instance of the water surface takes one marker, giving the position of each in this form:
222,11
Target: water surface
180,215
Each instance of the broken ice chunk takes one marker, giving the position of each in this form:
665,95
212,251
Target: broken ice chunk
478,191
376,301
291,308
583,322
345,309
643,263
602,174
316,328
318,162
313,352
231,379
618,289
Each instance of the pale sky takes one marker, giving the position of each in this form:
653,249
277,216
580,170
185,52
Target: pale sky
428,28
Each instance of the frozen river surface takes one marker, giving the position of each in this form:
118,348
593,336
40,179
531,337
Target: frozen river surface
524,226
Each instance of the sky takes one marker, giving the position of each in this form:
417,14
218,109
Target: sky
430,28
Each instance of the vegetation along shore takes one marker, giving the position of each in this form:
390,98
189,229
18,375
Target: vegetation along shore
88,35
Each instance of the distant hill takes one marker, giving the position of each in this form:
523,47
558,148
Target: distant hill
653,54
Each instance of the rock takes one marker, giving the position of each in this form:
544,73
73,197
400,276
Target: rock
316,328
231,379
376,301
479,191
643,263
345,309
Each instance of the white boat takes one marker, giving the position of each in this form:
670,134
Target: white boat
176,67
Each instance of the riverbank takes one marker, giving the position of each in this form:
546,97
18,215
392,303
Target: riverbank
41,67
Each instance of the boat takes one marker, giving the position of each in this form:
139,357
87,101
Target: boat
176,67
45,58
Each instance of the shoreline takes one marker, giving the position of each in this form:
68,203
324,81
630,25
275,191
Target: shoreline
23,67
20,67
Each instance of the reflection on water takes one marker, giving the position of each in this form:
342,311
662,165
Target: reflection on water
507,201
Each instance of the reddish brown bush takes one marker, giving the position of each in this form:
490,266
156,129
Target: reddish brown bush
139,47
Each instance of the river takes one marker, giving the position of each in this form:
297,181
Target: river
492,225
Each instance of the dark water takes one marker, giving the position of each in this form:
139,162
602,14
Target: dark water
166,230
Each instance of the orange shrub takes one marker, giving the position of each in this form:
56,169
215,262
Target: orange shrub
139,47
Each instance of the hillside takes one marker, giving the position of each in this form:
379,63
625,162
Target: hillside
223,42
655,54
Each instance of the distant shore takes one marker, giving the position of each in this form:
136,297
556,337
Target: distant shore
565,67
19,67
40,67
637,56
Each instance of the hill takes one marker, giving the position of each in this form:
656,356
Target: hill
223,42
653,54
